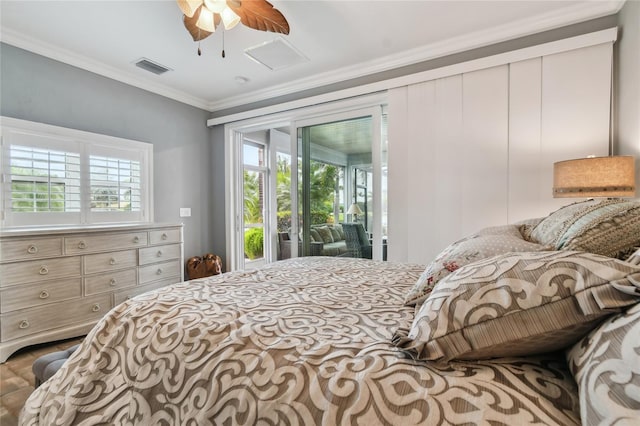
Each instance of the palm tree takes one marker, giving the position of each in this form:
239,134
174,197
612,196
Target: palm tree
252,198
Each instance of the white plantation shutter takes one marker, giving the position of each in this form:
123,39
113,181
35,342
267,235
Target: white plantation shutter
44,180
114,184
57,176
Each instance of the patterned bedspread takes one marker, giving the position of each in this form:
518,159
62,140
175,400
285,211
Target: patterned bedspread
300,342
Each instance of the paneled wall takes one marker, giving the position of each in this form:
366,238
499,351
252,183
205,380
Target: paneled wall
477,149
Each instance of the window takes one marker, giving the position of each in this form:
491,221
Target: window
44,180
57,176
115,184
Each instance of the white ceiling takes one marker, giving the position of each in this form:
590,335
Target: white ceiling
342,39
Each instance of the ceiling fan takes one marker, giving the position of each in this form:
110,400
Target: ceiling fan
201,17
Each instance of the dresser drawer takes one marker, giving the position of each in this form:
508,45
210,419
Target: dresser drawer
159,253
159,271
121,296
31,295
110,261
30,321
162,236
111,281
39,270
30,248
96,243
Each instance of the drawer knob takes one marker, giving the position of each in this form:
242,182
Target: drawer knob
159,253
43,270
136,239
112,261
96,307
164,236
32,249
82,245
24,324
112,282
159,271
44,294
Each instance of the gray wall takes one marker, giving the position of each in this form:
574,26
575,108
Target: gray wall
627,85
186,168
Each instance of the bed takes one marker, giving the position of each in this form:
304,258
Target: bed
338,341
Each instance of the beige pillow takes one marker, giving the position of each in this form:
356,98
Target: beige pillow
519,304
606,366
485,243
609,227
549,229
611,231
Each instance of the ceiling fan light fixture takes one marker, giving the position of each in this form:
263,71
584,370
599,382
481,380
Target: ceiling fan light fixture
205,20
201,17
229,18
189,7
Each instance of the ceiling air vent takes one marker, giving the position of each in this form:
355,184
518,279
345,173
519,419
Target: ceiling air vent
276,54
151,66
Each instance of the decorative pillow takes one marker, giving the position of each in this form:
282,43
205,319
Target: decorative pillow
335,234
608,227
325,234
486,243
519,304
315,236
606,366
340,231
526,227
614,232
548,230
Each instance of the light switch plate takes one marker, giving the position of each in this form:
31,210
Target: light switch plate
185,212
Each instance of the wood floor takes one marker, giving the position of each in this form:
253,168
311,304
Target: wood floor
16,378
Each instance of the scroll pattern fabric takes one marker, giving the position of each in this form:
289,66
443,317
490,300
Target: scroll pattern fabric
519,303
301,342
606,365
485,243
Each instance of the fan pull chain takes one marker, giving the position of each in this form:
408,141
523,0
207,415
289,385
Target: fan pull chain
199,51
223,55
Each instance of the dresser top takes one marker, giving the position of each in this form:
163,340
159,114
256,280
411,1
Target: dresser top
56,230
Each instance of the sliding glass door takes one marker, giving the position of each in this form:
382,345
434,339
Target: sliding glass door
298,187
340,194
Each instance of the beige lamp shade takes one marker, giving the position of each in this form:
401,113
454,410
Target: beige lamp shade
595,177
354,209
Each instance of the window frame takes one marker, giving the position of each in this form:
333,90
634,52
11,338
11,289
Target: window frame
38,135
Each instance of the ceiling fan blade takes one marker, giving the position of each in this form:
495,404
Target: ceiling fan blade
260,15
197,33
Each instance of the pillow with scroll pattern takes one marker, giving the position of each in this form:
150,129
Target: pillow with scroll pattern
606,366
519,304
485,243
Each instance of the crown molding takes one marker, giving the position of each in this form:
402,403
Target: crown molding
57,53
567,16
552,20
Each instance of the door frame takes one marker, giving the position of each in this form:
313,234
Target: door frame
233,138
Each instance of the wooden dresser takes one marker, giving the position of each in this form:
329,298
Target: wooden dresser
57,283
